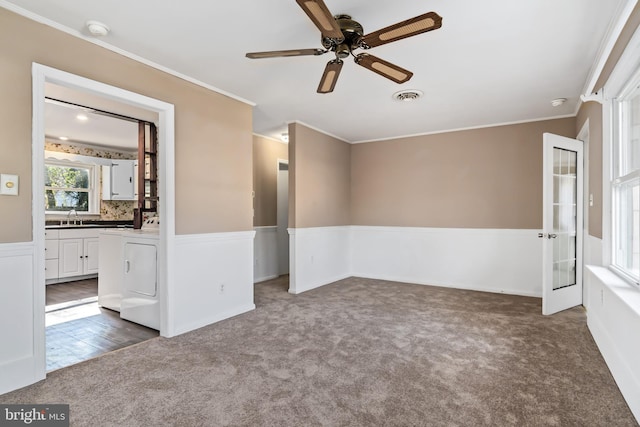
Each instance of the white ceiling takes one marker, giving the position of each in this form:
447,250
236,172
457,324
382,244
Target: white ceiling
492,62
61,119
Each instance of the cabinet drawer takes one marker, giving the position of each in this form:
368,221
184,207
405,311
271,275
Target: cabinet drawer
51,269
51,234
50,249
80,233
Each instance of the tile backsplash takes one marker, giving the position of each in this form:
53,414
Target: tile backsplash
110,210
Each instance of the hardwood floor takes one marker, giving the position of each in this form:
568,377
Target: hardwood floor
78,329
70,292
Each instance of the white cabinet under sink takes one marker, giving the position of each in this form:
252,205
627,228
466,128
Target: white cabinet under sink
71,254
70,261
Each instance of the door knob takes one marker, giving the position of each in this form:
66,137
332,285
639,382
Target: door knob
548,236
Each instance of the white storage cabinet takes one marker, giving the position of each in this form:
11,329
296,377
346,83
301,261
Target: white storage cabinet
119,180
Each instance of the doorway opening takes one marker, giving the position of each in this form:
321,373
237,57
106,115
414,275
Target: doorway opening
282,217
93,172
110,99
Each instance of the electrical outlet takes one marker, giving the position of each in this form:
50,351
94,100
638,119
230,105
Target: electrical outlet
221,288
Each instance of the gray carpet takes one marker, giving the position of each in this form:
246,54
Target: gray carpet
357,352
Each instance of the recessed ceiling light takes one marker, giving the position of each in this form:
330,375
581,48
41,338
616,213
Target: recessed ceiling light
63,138
407,95
82,117
558,102
97,29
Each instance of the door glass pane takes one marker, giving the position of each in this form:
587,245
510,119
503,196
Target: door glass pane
565,195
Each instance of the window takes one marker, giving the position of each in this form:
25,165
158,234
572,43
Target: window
70,185
626,182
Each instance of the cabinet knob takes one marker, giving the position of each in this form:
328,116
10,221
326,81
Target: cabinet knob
81,257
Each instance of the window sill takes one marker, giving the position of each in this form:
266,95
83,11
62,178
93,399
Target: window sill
625,291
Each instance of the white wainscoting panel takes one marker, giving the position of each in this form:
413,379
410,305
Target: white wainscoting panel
492,260
265,249
18,364
318,256
613,318
213,278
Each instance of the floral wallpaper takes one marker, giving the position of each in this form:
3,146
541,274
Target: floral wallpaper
110,210
88,150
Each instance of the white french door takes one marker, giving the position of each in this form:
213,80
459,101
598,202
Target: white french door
562,223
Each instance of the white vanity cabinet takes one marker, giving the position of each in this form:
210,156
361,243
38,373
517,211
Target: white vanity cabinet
119,180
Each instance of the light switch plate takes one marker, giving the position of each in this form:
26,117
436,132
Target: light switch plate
8,184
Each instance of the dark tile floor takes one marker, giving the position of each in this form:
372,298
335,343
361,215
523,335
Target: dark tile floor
80,331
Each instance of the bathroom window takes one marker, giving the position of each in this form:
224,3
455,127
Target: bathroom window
626,182
70,185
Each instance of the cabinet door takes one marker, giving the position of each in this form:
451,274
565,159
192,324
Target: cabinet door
140,268
70,261
51,269
122,179
51,249
90,253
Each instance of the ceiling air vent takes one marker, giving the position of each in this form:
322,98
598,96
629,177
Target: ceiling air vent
407,95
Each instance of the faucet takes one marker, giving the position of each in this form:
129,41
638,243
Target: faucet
72,211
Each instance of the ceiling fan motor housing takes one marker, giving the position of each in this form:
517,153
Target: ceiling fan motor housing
352,32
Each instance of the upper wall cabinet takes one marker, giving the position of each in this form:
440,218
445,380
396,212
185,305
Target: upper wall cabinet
119,180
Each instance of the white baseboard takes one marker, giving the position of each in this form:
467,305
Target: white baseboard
490,260
265,254
215,279
318,256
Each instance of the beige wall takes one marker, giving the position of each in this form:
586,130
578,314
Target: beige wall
213,132
266,153
319,179
481,178
593,112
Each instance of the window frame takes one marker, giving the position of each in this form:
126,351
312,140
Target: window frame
94,184
623,83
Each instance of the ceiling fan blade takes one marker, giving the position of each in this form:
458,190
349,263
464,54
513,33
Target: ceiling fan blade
280,53
330,76
384,68
322,18
411,27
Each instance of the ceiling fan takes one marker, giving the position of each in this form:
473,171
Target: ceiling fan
342,35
